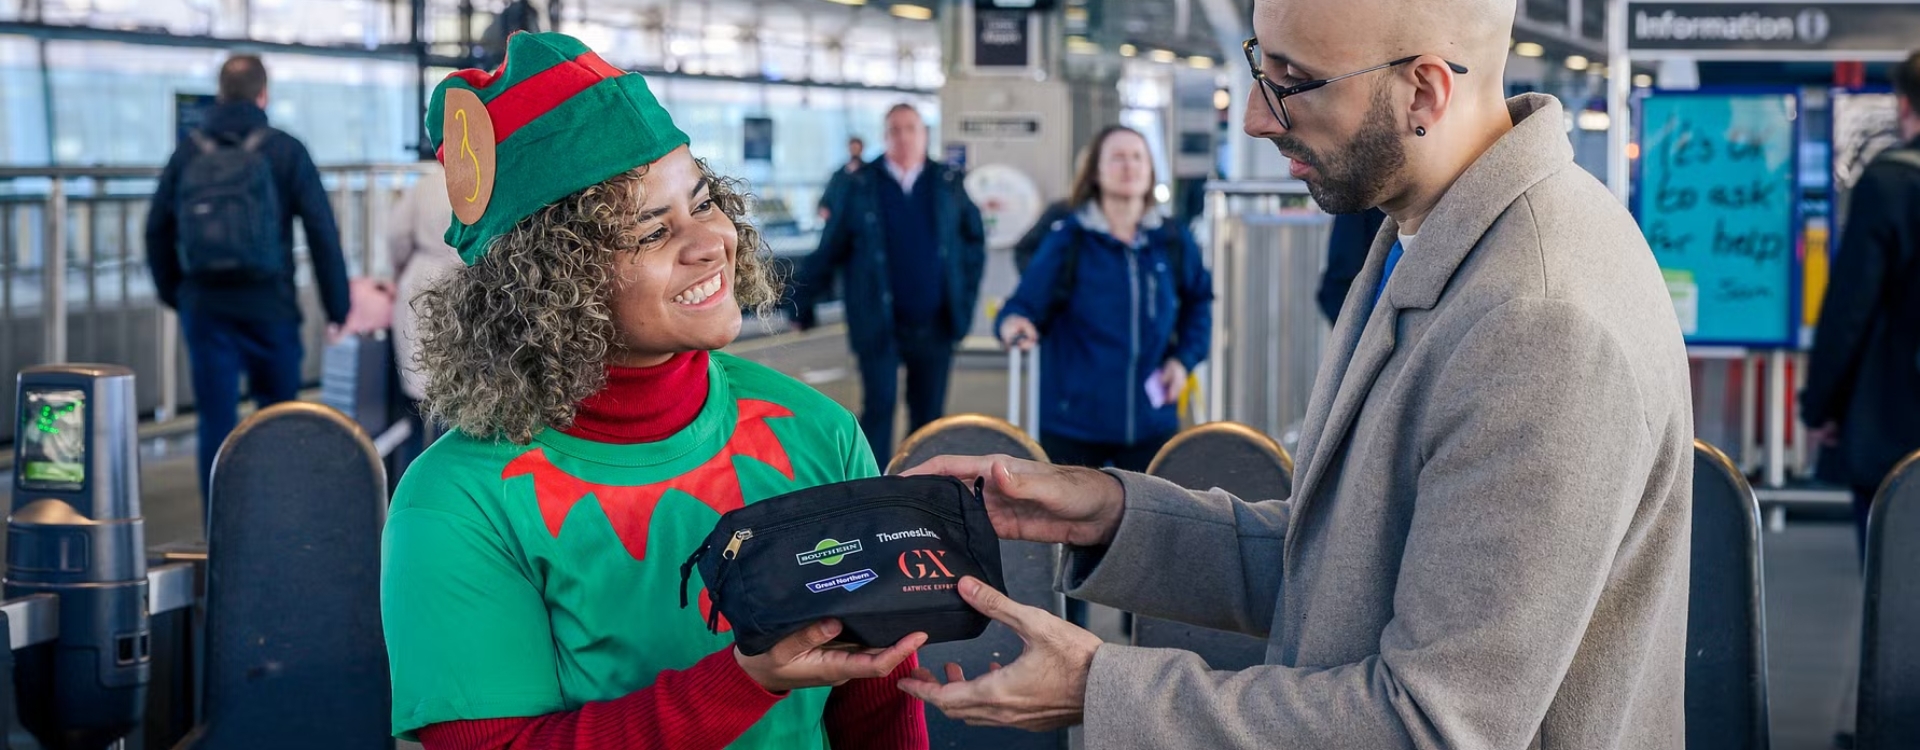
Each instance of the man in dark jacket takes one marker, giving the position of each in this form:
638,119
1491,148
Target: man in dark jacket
245,326
837,184
1863,380
913,247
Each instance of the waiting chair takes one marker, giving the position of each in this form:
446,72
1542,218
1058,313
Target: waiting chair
1726,701
1029,569
1889,709
1243,461
295,656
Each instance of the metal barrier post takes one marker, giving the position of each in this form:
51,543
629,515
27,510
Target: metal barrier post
1217,374
369,204
169,366
53,275
1777,418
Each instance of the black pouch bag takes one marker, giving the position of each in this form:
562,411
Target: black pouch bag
883,555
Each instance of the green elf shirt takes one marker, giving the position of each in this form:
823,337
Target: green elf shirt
527,580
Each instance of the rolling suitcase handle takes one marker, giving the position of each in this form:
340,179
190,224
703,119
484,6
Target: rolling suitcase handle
1024,364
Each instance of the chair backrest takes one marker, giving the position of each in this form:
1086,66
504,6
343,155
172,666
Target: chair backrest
7,700
295,656
1241,460
1726,704
1029,571
1890,633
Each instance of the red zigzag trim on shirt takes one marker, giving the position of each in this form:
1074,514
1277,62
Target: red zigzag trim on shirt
630,509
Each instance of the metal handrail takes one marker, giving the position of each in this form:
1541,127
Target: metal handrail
137,172
62,214
1257,187
1227,227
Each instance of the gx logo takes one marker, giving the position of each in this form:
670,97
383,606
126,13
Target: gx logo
921,564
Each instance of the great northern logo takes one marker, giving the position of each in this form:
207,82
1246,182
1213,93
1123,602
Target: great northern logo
848,581
829,552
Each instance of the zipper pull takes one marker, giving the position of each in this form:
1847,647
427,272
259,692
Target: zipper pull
713,616
686,571
733,547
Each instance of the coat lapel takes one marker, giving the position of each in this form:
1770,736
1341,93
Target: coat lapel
1536,148
1365,340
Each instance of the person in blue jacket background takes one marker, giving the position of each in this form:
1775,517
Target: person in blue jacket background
1121,305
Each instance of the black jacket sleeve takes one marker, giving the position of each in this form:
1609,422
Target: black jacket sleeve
323,236
1029,244
163,254
1869,243
973,249
836,246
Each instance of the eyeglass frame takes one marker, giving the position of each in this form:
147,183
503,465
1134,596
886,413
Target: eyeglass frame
1277,98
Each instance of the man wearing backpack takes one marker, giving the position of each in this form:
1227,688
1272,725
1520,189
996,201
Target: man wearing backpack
220,247
1863,378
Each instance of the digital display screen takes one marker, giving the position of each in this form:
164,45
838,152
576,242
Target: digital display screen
53,439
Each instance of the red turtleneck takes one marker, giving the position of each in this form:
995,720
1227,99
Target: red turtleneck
644,404
712,703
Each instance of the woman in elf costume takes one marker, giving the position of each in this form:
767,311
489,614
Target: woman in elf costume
530,581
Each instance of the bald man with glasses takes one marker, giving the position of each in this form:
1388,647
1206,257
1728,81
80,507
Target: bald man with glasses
1487,545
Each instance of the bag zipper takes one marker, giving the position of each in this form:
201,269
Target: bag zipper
743,535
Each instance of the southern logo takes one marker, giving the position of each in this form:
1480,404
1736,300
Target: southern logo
829,552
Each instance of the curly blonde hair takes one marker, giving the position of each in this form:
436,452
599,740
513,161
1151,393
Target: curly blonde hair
512,344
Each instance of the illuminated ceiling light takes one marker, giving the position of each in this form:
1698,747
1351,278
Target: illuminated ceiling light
1529,49
1222,99
1200,62
1161,194
849,2
1643,80
1163,56
1077,15
1128,50
911,12
1633,150
1593,119
1576,62
1079,45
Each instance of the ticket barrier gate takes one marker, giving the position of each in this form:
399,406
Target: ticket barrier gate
107,651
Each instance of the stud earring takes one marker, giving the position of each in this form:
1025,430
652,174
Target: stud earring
1420,131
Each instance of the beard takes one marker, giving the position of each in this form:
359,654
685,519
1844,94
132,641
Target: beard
1353,179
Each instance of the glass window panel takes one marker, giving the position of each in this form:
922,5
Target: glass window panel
23,107
106,97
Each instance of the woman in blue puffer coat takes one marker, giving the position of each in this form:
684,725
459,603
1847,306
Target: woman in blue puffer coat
1121,306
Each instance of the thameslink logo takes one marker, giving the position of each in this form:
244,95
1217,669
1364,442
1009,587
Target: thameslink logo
1810,26
898,535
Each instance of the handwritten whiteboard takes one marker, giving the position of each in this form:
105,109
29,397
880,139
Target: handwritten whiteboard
1716,198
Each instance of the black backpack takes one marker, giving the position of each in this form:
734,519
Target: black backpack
1064,281
229,211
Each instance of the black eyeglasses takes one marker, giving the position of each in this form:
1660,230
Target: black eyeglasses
1276,95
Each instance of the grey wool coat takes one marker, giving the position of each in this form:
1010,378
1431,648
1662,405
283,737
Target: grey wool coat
1488,543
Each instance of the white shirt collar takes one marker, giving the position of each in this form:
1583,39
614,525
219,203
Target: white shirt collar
906,178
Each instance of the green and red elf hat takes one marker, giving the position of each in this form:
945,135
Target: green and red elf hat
553,120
